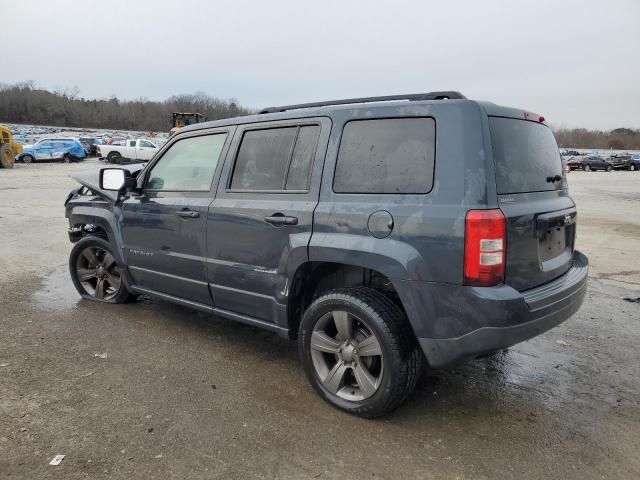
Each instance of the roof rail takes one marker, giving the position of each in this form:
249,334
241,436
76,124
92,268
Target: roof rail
412,97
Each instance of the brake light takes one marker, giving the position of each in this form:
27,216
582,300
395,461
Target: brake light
534,117
485,244
98,149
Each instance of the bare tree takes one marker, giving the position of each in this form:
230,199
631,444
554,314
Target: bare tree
26,103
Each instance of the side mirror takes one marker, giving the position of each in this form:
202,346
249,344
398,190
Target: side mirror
115,179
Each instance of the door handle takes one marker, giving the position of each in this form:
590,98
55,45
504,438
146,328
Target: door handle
280,219
186,213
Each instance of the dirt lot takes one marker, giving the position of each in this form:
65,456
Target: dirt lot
151,390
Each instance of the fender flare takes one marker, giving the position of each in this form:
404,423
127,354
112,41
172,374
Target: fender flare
105,219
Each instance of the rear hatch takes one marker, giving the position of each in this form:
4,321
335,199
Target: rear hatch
532,194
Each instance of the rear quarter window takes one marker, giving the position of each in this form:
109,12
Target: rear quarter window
394,155
525,155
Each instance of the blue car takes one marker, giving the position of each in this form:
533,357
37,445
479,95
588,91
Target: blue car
65,149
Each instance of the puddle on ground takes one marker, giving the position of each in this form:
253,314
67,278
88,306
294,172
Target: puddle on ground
56,292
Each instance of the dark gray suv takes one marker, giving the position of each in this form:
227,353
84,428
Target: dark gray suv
383,233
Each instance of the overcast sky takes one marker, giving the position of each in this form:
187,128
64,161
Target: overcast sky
577,63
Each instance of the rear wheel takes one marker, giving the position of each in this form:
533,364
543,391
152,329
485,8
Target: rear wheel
358,351
114,157
95,272
587,168
609,168
632,167
7,156
66,158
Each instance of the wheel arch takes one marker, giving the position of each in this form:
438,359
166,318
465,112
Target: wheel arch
313,278
101,218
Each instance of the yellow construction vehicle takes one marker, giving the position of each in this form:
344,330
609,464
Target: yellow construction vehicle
182,119
8,149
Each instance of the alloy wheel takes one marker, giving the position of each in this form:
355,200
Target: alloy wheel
98,273
346,355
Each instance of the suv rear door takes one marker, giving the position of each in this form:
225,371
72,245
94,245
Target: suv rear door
532,194
260,222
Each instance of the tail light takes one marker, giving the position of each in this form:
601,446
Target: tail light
98,149
485,244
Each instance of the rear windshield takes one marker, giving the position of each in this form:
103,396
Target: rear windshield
525,155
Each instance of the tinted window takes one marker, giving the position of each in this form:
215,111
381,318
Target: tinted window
302,158
265,157
525,154
144,143
386,156
189,164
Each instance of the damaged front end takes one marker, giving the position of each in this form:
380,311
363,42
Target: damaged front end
89,208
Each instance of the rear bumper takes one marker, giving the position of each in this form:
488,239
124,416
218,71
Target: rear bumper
499,317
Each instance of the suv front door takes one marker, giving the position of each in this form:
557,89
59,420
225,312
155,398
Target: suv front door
164,228
42,150
260,222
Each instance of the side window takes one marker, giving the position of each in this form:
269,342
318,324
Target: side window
144,143
393,155
132,143
188,165
302,158
275,159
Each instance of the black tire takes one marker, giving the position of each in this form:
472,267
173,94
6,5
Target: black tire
632,167
66,158
27,158
401,360
114,157
587,168
609,168
7,156
84,286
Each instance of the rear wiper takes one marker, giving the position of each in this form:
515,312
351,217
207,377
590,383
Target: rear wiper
557,178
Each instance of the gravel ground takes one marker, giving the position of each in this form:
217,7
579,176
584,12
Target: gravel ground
152,390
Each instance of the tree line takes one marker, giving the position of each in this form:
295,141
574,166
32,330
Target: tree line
617,139
26,103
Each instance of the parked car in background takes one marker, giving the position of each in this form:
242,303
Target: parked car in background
139,150
625,162
595,162
89,144
65,149
569,153
20,139
575,163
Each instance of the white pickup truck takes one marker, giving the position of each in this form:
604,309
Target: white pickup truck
138,150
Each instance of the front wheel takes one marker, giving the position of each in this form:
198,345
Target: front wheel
7,156
359,352
609,168
27,158
587,168
632,167
95,273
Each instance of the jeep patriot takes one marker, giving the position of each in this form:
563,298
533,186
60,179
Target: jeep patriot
384,234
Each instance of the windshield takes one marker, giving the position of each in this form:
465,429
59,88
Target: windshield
526,156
